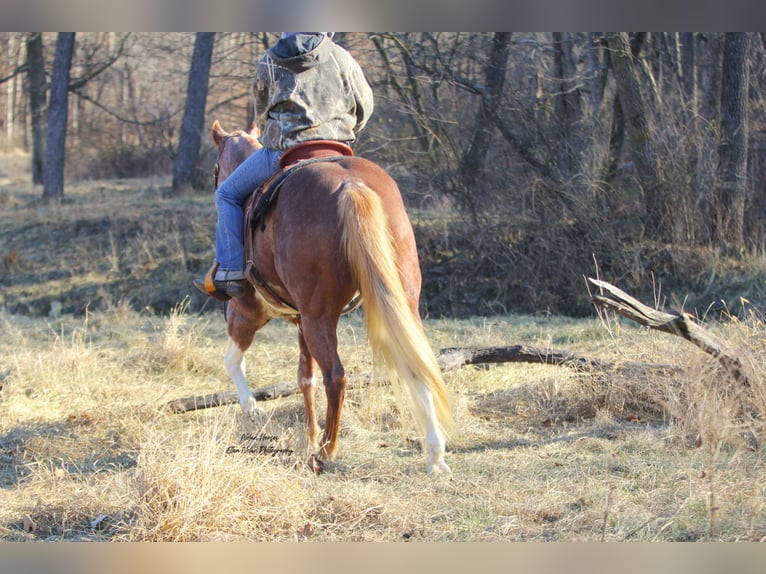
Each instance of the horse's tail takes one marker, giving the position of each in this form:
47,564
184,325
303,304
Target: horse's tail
394,331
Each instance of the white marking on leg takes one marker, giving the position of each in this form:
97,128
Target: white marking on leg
435,443
234,361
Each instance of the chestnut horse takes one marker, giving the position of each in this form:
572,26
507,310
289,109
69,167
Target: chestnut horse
338,228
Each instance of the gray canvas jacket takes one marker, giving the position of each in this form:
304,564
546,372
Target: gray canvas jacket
306,88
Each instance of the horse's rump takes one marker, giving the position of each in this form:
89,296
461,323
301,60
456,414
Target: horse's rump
350,218
298,246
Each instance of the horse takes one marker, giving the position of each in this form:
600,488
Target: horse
337,229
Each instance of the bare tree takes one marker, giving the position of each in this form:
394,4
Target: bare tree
408,91
194,116
617,134
567,104
10,75
689,71
36,88
491,99
709,75
657,222
729,207
53,180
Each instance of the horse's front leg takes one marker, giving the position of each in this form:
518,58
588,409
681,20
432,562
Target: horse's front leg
234,361
242,328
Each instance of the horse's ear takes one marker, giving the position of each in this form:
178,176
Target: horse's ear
218,133
254,131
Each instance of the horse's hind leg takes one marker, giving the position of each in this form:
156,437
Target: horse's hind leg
435,443
322,342
424,401
307,385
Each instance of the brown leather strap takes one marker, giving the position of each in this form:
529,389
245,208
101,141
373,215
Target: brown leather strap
251,271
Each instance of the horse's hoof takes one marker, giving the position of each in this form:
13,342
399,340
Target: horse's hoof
258,417
254,420
435,469
254,414
316,464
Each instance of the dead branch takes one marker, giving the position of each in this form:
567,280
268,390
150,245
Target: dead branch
271,392
283,389
449,359
453,358
614,299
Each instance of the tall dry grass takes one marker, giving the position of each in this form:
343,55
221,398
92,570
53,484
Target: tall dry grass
87,451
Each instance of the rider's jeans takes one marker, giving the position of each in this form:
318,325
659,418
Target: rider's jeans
230,198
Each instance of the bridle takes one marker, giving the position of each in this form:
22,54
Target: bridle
217,166
216,169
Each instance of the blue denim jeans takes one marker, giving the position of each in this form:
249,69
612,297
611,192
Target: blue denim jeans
230,198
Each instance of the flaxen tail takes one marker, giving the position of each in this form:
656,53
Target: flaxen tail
395,333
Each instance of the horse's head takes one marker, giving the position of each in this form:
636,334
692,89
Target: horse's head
233,149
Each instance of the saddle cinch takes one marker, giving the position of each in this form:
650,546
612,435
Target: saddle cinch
264,198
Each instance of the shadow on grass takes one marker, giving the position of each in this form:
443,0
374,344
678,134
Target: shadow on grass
18,457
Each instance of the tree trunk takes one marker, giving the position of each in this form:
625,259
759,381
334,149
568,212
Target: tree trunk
567,105
638,129
617,133
13,55
709,56
597,71
689,72
473,160
729,207
53,180
709,77
194,114
36,93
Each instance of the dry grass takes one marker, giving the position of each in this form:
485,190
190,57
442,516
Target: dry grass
543,453
87,451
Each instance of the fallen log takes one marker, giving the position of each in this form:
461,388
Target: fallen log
675,323
283,389
455,357
449,359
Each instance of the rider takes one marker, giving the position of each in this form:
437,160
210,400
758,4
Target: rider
306,87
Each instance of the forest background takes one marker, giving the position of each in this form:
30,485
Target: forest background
527,160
